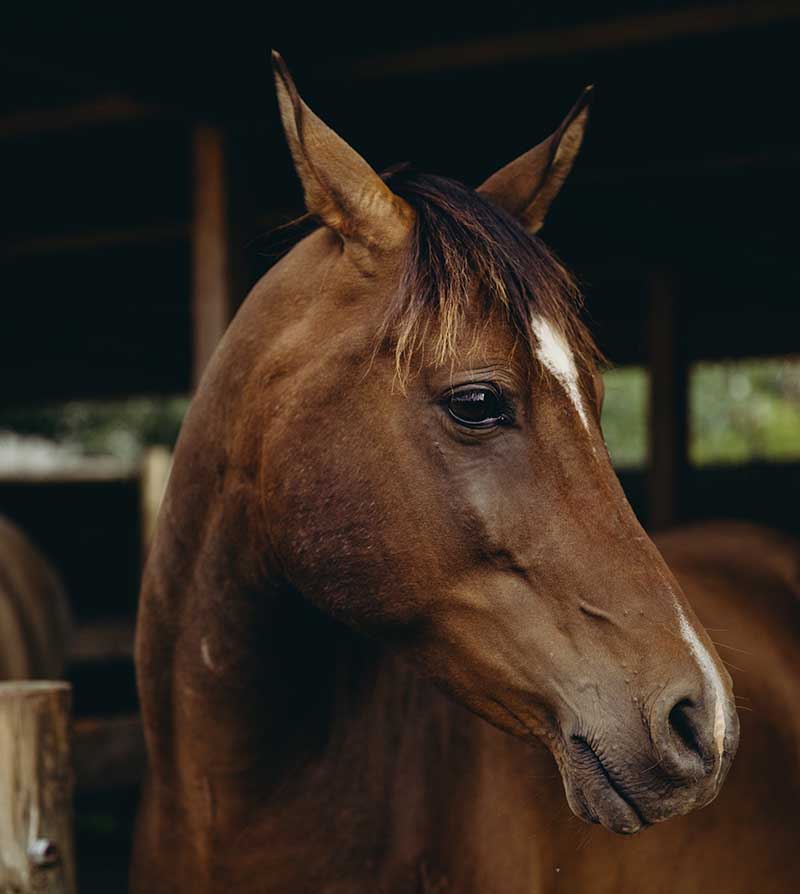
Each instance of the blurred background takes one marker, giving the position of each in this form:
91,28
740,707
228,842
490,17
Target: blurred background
144,174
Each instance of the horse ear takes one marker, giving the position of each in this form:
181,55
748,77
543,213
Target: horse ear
527,186
340,187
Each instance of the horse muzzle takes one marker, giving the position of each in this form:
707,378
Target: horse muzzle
677,765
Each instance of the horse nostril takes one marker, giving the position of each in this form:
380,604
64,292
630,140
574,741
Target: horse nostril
683,727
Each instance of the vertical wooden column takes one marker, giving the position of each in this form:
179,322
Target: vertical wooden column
212,281
36,846
669,402
154,468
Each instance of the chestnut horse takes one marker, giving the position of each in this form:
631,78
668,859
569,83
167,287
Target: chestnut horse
395,584
34,610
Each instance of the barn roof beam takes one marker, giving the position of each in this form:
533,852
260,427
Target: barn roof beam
92,113
111,237
613,34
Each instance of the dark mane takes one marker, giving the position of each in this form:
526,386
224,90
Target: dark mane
465,249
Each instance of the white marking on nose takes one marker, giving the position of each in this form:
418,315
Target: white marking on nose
711,673
555,355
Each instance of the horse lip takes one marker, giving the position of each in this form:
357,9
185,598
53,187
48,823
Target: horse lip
584,750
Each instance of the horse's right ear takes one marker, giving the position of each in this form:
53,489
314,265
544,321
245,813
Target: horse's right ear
340,187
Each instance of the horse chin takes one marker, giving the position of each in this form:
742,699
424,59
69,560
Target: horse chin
600,803
595,796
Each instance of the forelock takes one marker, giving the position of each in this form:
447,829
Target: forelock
466,256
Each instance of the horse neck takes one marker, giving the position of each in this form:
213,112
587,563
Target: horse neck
261,681
239,674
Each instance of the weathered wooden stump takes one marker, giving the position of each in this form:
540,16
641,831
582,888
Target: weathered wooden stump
36,846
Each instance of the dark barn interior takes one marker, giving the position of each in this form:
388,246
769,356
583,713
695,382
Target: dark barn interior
144,172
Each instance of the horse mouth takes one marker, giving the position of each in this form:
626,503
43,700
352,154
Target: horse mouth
596,795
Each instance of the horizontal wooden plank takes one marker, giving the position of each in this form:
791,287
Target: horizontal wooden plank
93,239
499,49
108,752
757,492
613,34
103,640
95,113
110,471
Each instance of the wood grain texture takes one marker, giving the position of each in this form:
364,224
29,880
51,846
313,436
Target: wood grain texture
36,789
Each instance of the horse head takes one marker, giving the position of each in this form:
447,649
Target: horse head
422,405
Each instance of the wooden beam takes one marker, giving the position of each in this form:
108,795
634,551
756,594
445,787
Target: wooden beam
101,641
669,422
212,288
614,34
90,240
151,234
109,752
155,466
95,113
771,158
36,845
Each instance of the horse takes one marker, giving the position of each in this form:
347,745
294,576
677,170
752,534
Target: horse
34,610
397,606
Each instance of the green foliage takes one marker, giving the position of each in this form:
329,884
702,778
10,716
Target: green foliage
119,428
745,411
625,416
740,411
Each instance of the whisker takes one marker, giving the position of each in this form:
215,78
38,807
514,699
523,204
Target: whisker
732,648
734,666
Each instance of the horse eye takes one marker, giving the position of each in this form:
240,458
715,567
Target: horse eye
477,406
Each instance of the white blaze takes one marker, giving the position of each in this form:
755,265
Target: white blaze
555,355
711,673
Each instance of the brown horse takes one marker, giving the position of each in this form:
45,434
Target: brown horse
393,536
34,611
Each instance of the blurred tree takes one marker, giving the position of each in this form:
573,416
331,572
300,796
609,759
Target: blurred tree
625,416
744,411
118,428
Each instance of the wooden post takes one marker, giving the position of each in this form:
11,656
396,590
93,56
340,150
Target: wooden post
36,847
669,385
154,472
212,299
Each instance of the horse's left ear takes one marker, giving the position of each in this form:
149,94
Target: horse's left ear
527,186
340,187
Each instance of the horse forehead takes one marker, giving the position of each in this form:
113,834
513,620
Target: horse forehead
555,355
